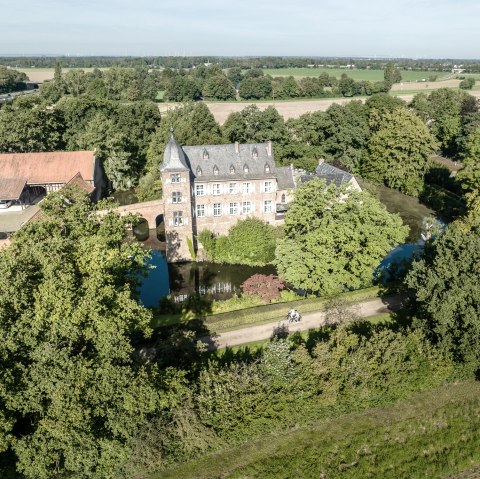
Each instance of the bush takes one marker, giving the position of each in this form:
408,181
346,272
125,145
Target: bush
266,287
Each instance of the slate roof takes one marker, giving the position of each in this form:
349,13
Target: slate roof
47,167
285,178
173,156
330,174
11,188
248,163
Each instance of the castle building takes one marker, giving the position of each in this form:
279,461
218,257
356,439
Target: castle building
214,186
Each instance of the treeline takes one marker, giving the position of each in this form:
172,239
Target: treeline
11,80
384,139
241,62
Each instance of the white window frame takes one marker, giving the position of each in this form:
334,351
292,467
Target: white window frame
200,189
216,189
178,218
247,188
270,203
268,187
233,206
219,209
246,207
175,178
176,197
234,190
200,210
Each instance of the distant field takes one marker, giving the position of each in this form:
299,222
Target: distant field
43,74
372,75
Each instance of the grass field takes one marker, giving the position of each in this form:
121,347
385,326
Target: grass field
433,434
372,75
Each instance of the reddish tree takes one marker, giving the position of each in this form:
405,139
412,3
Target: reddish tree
265,287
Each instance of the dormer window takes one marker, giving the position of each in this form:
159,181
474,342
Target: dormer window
215,170
199,171
232,170
205,154
254,153
267,168
246,169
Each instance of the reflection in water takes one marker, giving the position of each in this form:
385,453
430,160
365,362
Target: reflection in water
180,280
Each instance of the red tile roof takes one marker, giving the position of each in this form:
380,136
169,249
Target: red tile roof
48,167
11,188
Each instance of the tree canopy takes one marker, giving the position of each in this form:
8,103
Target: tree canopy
335,238
72,393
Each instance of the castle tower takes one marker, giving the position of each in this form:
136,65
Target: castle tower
177,194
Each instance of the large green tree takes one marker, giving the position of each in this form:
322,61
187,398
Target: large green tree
446,293
399,151
335,238
72,393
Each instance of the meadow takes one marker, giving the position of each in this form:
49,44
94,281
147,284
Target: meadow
371,75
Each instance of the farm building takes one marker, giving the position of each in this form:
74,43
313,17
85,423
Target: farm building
26,176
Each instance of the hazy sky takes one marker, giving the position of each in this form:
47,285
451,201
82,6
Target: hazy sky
420,28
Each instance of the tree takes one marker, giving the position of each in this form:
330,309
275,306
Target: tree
384,102
11,80
250,241
467,84
181,88
252,125
26,130
335,238
219,87
346,85
469,175
391,75
444,284
255,88
399,151
72,395
266,287
235,75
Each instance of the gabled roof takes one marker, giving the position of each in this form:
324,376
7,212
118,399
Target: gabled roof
173,156
81,183
285,178
47,167
236,155
331,174
11,188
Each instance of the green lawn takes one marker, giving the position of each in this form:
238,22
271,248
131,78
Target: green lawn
372,75
433,434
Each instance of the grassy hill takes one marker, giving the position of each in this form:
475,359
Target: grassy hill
434,434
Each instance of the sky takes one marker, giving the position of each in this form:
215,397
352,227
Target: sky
382,28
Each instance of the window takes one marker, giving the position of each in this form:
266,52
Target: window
199,171
267,168
246,169
175,178
268,186
176,197
215,170
217,209
267,206
254,153
216,189
233,208
199,190
246,207
247,188
284,198
232,188
232,170
200,210
205,154
178,218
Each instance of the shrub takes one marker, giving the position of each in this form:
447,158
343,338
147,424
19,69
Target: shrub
265,287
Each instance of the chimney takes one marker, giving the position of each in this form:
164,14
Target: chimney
269,148
237,147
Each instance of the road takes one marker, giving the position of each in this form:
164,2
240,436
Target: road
312,320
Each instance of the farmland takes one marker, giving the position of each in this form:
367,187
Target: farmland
371,75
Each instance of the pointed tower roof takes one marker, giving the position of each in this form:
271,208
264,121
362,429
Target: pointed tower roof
173,157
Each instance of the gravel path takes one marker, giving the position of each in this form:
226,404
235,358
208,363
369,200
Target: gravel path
309,321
